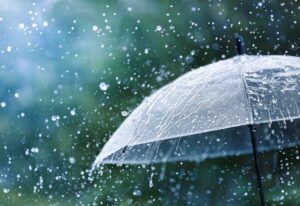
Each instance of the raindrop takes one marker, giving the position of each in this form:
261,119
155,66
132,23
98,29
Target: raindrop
34,150
54,118
151,180
21,26
3,104
95,28
103,86
73,112
162,172
8,49
158,28
124,113
5,190
137,192
45,23
72,160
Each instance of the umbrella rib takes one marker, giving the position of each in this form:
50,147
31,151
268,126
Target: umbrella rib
252,129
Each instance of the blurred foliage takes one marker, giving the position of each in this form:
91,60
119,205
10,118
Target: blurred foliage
70,71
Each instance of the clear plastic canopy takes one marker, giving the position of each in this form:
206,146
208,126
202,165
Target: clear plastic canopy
196,110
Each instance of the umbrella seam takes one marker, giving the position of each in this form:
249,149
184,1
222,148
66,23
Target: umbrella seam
247,90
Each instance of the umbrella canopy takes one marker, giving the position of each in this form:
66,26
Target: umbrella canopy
204,113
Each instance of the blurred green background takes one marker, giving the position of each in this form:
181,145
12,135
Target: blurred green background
72,70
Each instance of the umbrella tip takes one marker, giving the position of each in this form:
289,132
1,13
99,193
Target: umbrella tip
240,44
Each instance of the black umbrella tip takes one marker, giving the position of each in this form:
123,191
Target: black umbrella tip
240,44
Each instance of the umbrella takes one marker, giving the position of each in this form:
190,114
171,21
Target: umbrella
214,111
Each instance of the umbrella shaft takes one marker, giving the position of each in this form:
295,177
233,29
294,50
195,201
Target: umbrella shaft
254,147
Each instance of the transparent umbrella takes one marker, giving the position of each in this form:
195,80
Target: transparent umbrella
214,111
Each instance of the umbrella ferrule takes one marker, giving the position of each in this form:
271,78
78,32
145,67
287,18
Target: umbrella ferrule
124,149
240,45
